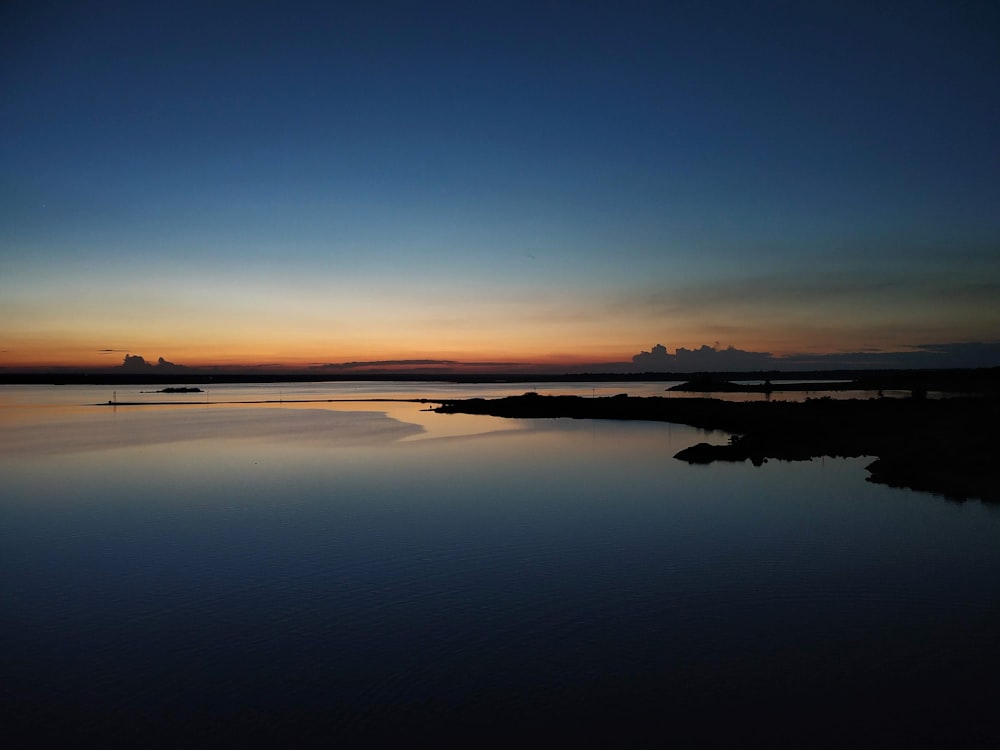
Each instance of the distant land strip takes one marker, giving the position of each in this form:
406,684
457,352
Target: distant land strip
949,380
248,402
946,446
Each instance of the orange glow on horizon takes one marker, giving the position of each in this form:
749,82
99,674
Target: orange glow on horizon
307,348
39,357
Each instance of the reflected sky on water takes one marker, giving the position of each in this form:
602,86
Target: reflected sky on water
353,570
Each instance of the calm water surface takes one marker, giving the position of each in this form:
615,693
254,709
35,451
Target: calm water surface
357,571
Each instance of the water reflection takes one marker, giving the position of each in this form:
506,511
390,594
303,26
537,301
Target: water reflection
146,426
285,572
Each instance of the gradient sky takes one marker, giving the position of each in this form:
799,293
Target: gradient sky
295,182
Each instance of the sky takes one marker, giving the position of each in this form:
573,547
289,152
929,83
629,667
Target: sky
547,183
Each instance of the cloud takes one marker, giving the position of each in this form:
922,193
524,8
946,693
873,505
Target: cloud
135,363
713,359
428,365
777,291
827,305
384,363
947,355
138,363
703,358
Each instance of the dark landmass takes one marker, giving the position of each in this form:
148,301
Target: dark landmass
980,380
714,385
946,446
916,381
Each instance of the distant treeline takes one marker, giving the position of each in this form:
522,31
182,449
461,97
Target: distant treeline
958,380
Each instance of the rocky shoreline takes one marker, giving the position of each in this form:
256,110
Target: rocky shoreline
945,446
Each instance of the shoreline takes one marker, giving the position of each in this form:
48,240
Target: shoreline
946,446
963,380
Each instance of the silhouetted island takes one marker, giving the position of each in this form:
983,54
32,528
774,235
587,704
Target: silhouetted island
979,382
172,389
709,384
946,446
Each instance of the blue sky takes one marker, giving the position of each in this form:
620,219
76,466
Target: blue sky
545,182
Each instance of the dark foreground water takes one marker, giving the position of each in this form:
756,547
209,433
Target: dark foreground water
342,574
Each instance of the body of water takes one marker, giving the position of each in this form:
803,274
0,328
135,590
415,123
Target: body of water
309,572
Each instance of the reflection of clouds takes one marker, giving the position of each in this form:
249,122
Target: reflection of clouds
138,426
